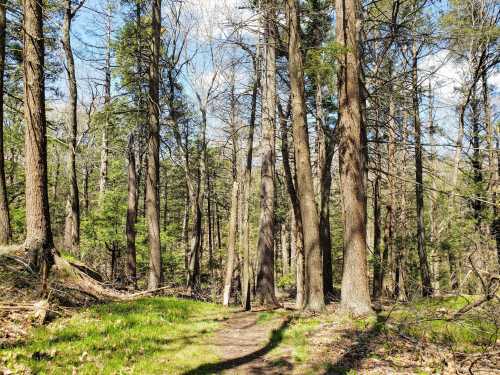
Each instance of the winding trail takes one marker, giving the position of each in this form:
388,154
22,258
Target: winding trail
243,346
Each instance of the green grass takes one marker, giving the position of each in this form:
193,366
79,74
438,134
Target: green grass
294,339
153,336
426,319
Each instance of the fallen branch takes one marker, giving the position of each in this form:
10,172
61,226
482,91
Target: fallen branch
489,289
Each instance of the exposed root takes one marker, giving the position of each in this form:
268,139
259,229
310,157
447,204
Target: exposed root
74,278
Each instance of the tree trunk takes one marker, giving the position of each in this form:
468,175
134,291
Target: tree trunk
391,183
5,233
103,172
419,187
297,246
131,214
233,220
377,253
265,244
86,177
325,158
494,163
185,230
165,200
355,296
197,197
285,249
210,229
435,257
247,184
39,241
378,276
231,241
73,241
477,177
153,170
310,220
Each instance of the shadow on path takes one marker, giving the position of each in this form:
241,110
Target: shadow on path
274,341
358,351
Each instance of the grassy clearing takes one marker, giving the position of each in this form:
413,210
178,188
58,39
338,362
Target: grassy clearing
153,335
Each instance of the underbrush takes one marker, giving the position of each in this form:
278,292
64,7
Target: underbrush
433,320
153,335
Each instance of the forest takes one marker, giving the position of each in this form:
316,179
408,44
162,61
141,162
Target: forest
249,187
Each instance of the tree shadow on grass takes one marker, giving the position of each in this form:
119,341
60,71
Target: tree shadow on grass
359,350
274,341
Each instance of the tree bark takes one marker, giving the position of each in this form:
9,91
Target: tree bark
325,158
231,242
265,244
389,224
233,220
435,256
210,229
131,214
5,233
297,245
165,199
310,220
247,184
72,242
477,177
285,248
494,163
419,187
378,274
39,241
103,172
355,296
153,171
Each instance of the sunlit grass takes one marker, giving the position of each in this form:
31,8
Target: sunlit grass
153,335
429,319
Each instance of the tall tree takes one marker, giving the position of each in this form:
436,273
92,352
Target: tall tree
103,171
131,213
153,171
39,242
265,244
355,296
5,232
310,219
246,186
419,187
231,251
72,232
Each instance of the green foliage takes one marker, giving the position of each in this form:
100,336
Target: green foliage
286,281
105,226
153,336
468,20
321,63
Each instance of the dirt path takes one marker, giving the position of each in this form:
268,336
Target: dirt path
243,346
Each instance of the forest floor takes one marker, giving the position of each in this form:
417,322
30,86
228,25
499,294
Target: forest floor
168,335
165,335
